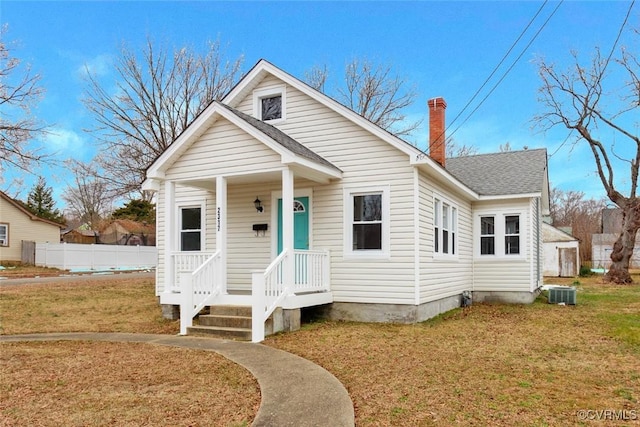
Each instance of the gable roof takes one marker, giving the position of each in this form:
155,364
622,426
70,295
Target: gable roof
281,138
293,151
263,68
27,212
520,172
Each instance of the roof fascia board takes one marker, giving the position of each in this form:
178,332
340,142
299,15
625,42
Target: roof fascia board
158,167
264,65
431,166
510,196
31,216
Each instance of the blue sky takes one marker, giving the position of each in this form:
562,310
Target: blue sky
443,48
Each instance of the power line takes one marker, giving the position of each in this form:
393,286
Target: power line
495,69
511,67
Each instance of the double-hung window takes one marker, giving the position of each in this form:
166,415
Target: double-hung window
487,235
367,222
190,228
4,234
445,221
511,234
500,234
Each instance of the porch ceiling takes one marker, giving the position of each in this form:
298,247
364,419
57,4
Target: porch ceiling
257,177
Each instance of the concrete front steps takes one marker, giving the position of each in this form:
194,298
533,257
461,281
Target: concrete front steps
230,322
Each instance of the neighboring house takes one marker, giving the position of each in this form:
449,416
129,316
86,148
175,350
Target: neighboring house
18,224
376,230
127,232
602,243
561,252
80,235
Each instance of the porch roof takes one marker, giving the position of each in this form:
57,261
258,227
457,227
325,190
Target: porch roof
304,161
282,138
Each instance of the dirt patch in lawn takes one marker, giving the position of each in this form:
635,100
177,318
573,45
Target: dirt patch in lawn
104,384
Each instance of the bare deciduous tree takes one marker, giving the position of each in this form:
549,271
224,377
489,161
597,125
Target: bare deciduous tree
88,199
571,209
19,93
577,99
316,77
379,96
374,92
455,150
157,97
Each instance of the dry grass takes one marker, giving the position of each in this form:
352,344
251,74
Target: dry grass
101,383
18,271
123,384
109,305
503,365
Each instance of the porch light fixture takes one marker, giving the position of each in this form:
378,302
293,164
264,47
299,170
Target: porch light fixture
258,204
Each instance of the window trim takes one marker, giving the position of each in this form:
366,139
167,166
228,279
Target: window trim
203,224
349,194
500,235
439,228
6,227
269,92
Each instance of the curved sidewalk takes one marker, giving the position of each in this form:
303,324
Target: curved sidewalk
295,391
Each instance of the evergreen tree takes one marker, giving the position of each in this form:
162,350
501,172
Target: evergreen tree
40,202
137,210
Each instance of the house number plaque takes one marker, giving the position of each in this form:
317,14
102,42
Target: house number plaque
218,217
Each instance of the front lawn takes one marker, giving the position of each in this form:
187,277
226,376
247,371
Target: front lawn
507,365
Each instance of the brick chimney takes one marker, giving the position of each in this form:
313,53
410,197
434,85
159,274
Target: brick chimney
437,147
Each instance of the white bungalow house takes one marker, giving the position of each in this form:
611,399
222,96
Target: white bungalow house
375,229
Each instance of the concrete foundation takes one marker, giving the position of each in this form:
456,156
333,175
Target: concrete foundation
170,312
505,297
283,321
387,313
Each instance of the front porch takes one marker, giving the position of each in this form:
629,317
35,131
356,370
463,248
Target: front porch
294,280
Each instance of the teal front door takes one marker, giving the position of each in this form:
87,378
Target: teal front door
300,223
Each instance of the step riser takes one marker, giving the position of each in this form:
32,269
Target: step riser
230,310
229,321
242,335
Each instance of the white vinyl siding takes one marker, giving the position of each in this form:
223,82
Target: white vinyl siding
443,276
504,272
359,155
224,150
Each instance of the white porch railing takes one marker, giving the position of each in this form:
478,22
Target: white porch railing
198,289
311,271
269,288
186,262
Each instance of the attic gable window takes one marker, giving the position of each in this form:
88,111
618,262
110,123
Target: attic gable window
269,104
271,108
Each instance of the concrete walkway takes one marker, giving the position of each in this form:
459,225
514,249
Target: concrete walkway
295,391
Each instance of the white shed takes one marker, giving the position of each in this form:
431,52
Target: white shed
561,252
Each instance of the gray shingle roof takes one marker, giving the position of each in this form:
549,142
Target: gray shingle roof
282,138
508,173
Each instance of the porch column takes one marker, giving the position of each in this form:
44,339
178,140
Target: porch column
169,233
221,229
287,224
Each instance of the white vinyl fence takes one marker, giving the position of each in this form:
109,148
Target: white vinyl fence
72,256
